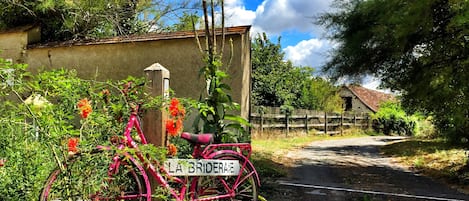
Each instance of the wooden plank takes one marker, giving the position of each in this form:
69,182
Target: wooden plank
332,123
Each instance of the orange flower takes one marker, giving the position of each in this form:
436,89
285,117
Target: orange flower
172,128
85,108
175,109
72,145
176,117
172,149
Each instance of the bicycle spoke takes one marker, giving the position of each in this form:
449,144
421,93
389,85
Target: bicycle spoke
243,185
87,178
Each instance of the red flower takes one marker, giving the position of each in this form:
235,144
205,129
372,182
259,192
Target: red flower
172,150
171,127
85,108
176,117
2,162
72,145
175,109
178,124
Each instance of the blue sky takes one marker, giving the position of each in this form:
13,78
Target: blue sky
292,20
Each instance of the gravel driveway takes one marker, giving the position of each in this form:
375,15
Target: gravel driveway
353,169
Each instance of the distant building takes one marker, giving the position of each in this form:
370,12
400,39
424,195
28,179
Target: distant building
362,100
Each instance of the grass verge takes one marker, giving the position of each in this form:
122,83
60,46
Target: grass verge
435,158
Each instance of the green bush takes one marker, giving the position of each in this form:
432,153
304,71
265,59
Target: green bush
39,115
392,119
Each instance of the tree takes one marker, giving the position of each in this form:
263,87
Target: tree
417,47
269,73
319,94
276,82
62,20
78,19
187,22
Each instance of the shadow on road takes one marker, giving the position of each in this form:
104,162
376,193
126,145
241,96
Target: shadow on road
355,170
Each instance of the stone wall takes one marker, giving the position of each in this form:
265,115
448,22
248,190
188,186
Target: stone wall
118,58
357,105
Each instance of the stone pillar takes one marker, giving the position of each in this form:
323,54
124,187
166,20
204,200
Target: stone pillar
154,120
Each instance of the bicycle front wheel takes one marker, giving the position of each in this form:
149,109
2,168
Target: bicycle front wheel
243,187
87,177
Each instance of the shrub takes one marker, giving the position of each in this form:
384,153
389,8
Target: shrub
40,114
392,119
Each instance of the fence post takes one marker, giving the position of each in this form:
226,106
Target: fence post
154,120
262,122
354,120
368,122
325,122
286,124
306,123
341,123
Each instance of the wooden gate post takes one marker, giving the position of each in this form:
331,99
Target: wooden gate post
154,120
306,123
286,124
354,120
341,123
262,122
325,123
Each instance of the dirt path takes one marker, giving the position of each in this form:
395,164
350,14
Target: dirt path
353,169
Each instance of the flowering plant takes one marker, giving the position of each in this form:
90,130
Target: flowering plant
41,127
176,118
174,123
72,146
84,106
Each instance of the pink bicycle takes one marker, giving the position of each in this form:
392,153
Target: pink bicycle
215,172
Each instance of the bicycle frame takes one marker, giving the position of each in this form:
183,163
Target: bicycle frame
199,152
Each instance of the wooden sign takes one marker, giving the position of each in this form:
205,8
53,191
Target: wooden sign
202,167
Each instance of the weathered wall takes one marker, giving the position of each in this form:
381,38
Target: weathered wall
357,105
118,60
13,43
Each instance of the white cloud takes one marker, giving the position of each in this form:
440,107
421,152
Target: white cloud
236,14
308,52
371,83
276,16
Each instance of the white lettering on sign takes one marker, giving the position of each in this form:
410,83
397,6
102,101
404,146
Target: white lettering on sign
202,167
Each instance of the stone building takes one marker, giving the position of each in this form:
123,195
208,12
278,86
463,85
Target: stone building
120,57
359,99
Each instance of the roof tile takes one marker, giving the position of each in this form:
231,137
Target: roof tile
145,37
369,97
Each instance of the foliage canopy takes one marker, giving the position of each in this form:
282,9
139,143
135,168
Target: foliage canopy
276,82
417,47
77,19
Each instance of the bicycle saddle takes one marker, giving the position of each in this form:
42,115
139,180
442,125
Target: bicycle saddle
203,139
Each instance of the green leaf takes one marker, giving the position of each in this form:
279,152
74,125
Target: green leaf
237,119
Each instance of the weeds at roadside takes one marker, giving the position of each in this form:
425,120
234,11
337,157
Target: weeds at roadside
435,158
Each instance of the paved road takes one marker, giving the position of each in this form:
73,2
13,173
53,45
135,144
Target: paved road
353,169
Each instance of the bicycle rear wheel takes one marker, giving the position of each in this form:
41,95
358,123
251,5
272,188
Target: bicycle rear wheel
244,186
87,177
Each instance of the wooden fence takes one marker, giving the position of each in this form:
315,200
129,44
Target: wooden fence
263,118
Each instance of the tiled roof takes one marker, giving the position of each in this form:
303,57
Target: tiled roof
371,98
18,29
145,37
